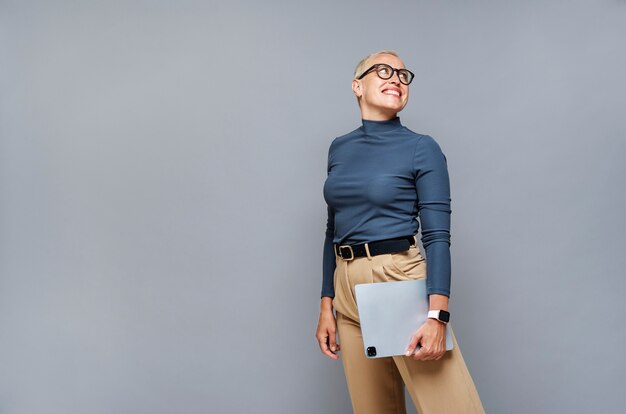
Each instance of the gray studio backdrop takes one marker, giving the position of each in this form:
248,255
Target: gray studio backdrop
161,210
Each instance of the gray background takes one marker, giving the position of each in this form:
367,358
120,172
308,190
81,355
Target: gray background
161,210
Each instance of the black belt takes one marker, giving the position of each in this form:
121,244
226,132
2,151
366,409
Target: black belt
397,244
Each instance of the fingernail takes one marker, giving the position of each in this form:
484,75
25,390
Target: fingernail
332,348
408,353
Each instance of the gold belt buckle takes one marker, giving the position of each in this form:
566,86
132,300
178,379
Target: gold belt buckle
351,252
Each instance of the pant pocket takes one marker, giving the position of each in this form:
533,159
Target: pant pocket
406,265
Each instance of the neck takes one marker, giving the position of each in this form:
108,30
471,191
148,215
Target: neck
377,115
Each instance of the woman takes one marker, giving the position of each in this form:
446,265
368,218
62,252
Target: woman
381,177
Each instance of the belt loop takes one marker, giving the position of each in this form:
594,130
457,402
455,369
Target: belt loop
415,238
335,251
367,250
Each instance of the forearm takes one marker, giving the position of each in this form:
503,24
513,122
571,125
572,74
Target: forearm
438,302
326,304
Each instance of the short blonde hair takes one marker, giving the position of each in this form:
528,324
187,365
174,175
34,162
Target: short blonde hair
360,67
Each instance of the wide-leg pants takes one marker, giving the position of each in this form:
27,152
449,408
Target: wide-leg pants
376,385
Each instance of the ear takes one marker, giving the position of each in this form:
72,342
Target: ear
356,88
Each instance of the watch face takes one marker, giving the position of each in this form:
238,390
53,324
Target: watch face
444,316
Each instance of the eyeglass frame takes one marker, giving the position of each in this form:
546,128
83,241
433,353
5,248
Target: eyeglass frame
393,71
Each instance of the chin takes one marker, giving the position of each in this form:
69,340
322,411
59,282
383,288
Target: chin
394,108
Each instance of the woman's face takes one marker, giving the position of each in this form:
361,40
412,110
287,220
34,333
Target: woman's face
381,99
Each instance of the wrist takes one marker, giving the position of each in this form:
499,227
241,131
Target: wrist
435,322
326,304
439,315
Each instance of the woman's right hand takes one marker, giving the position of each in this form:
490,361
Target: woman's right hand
327,330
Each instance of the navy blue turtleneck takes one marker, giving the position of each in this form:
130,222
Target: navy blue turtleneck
381,177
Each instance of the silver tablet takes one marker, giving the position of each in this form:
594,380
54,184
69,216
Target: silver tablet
390,313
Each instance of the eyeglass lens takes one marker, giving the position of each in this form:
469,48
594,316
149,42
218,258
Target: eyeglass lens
385,72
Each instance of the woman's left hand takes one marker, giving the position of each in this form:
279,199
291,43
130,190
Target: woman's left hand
432,338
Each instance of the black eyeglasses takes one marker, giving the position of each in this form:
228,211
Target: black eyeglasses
385,71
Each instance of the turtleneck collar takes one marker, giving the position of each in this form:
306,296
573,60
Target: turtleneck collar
377,127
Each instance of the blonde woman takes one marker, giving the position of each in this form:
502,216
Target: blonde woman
381,178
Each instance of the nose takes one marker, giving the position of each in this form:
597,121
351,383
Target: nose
396,75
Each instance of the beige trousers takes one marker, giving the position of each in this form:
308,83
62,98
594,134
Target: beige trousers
376,385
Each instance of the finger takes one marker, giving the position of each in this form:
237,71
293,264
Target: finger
333,341
437,353
428,354
419,355
415,339
439,350
323,342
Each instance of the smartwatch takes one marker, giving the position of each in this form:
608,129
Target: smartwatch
440,315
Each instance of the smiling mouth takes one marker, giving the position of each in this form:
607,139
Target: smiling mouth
391,92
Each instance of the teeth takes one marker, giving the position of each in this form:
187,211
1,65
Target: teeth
391,92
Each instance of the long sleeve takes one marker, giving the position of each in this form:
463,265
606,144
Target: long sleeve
433,192
329,257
